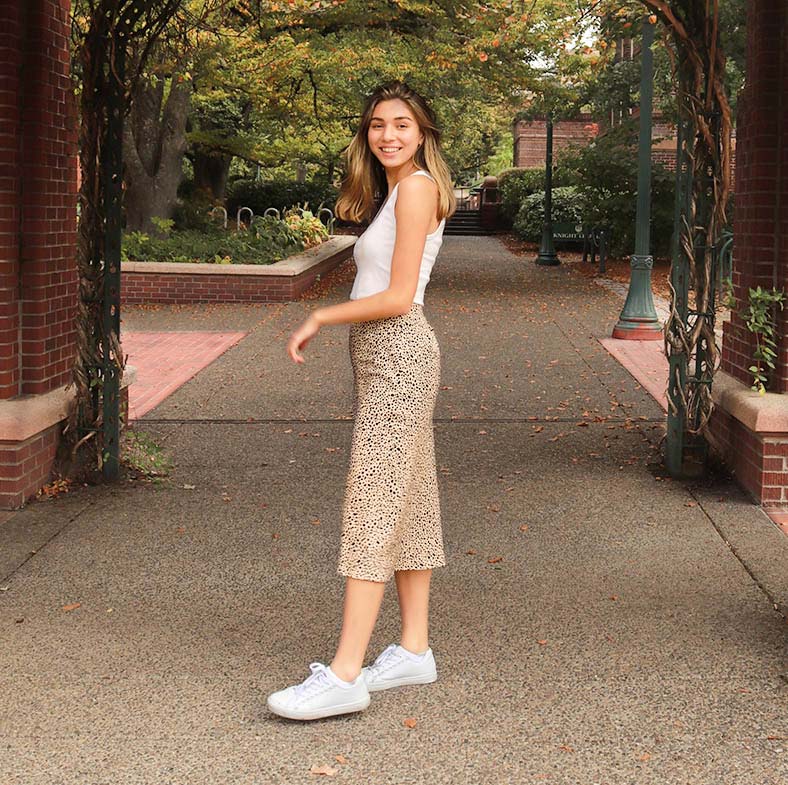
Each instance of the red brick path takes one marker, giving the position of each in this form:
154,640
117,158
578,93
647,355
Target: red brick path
166,361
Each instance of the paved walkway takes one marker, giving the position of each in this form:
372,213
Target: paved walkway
595,623
165,361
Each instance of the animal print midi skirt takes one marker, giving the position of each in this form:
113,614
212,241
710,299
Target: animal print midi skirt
391,517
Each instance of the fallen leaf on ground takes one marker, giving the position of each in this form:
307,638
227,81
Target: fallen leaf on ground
566,748
494,559
542,642
644,756
690,504
324,769
409,722
470,553
340,758
72,606
524,527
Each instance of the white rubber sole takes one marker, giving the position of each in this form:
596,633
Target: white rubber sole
403,681
317,714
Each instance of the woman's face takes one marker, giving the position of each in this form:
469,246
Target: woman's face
393,134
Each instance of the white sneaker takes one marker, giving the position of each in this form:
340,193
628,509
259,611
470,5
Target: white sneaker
396,667
322,694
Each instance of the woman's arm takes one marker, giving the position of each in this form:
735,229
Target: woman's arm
417,202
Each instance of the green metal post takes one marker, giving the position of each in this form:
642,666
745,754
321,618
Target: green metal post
112,174
638,320
547,254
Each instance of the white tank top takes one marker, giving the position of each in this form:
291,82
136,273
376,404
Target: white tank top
374,250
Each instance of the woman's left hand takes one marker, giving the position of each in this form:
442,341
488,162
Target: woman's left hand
300,338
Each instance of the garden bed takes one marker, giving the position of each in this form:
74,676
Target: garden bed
186,282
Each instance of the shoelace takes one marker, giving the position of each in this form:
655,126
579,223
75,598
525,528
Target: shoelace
314,682
385,659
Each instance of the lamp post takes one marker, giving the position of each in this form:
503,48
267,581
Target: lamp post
638,320
547,255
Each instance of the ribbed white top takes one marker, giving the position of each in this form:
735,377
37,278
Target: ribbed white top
374,250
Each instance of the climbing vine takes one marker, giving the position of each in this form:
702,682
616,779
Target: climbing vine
759,317
705,113
95,25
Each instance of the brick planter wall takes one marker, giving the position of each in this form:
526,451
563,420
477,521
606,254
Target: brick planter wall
153,282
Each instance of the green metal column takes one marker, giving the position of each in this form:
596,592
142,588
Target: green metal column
547,254
112,174
638,320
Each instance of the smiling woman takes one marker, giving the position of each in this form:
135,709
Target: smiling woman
391,517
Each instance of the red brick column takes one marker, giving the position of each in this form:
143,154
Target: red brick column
761,220
11,44
38,279
749,430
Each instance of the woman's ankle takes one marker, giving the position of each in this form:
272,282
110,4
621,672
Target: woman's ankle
345,672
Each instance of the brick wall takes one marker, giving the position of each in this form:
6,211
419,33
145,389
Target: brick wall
759,461
38,280
143,287
761,221
530,138
26,466
10,71
37,197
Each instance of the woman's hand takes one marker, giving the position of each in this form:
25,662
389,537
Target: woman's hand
301,337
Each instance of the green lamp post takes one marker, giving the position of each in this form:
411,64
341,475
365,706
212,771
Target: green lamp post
638,319
547,254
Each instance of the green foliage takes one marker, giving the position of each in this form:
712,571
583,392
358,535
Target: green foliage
759,317
192,210
607,178
270,241
139,452
516,184
163,225
306,226
568,206
282,194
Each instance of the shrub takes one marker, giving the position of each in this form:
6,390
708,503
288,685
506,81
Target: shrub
608,169
270,241
282,194
192,209
306,226
517,184
568,206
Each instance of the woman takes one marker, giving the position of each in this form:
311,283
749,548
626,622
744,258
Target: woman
391,515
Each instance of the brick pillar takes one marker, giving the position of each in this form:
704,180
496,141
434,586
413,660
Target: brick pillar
38,279
11,35
761,220
752,430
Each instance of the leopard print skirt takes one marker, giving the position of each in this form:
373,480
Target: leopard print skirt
391,517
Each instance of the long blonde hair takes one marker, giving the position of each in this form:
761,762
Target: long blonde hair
365,177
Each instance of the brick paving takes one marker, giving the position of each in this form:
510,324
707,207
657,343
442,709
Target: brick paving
167,360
